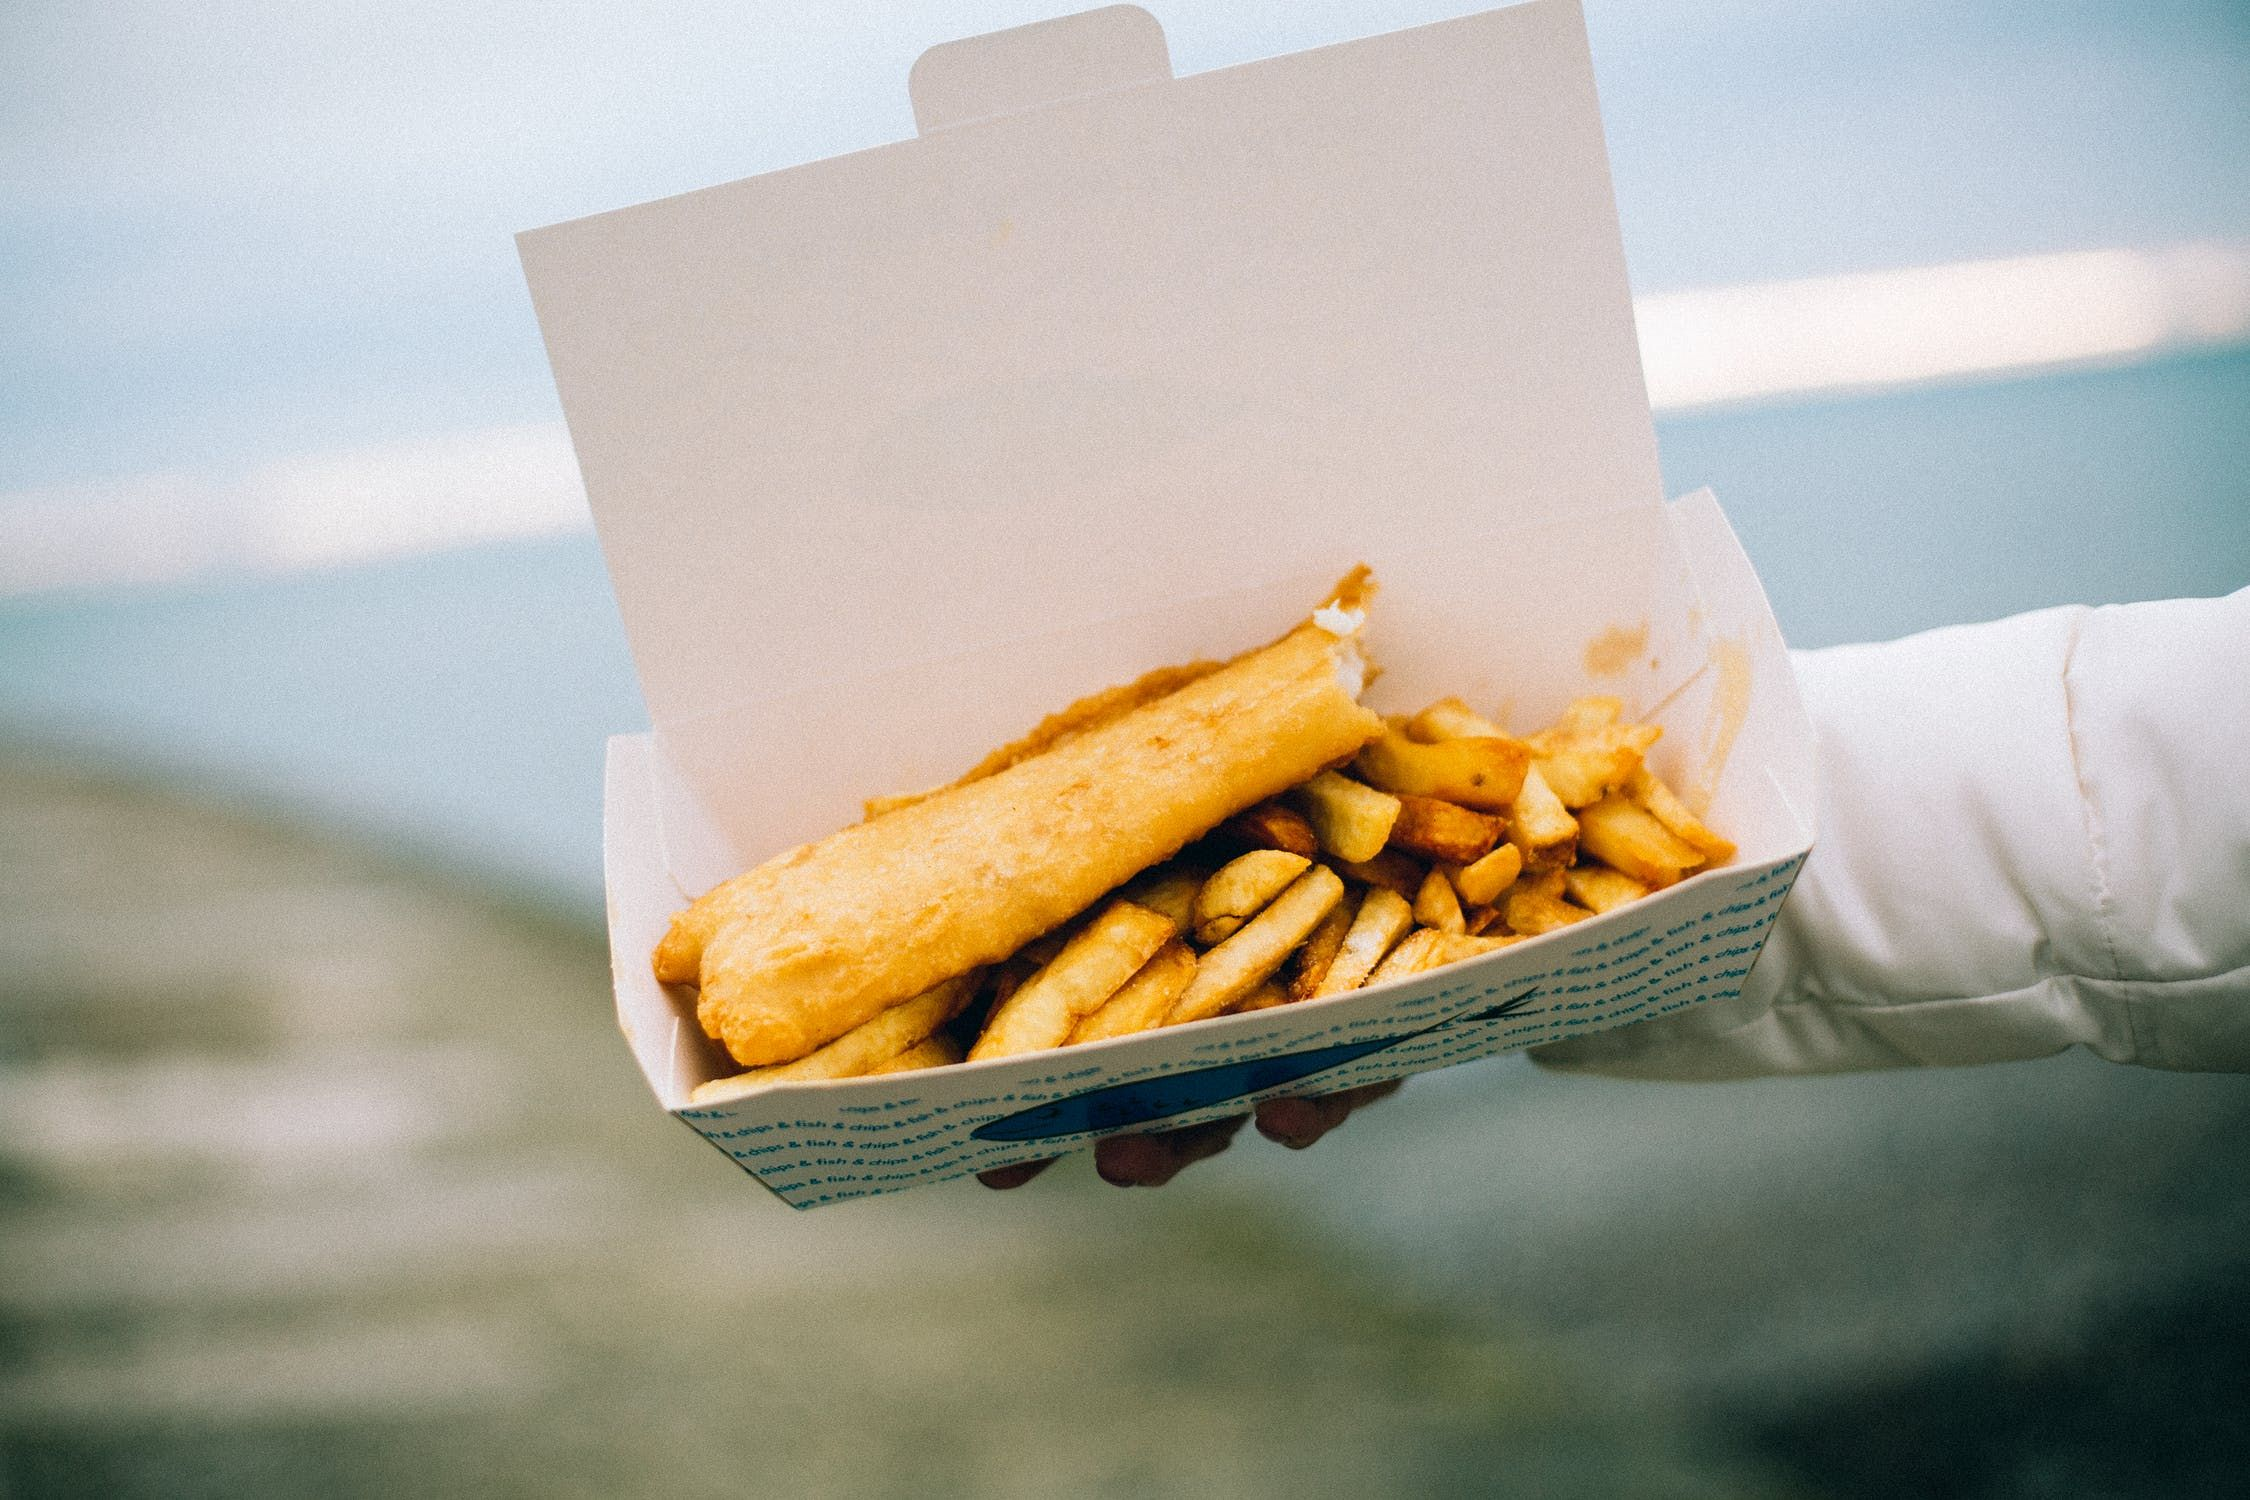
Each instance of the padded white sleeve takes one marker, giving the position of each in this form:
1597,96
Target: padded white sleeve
2034,834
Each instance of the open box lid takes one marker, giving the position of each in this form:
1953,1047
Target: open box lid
1097,337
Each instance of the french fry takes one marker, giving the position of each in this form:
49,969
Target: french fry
1170,891
1241,889
1142,1002
1309,964
1482,919
1382,919
1435,905
858,1051
1480,883
1530,913
1451,719
931,1052
1599,888
1546,882
1091,967
1587,715
1351,819
1415,952
1546,885
1443,830
1483,773
1587,754
1270,825
1453,947
1621,833
1247,959
1648,789
1390,869
1265,997
1542,830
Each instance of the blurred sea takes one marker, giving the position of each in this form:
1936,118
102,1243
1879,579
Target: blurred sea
457,703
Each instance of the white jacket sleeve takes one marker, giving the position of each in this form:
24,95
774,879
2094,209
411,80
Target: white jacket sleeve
2034,834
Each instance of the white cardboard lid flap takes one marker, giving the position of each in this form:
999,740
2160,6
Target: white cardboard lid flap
1144,341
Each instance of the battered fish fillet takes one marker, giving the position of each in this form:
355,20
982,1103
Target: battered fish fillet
800,950
1090,712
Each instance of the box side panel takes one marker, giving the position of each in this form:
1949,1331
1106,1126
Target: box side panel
817,1144
1500,607
1745,746
659,1025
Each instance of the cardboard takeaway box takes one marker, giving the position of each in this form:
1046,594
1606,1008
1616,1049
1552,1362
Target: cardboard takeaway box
894,453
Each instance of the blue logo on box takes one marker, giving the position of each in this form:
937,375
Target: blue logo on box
1121,1106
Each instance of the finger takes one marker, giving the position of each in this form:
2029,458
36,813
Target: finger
1015,1176
1153,1160
1133,1160
1195,1143
1297,1123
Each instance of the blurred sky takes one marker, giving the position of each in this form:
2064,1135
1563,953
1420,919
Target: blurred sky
262,302
241,231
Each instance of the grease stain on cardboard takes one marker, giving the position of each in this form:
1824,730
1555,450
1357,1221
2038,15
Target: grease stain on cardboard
1730,705
1615,649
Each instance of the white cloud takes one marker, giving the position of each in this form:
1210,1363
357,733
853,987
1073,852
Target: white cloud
1925,324
324,509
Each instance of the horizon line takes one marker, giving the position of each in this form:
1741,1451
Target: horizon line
1819,338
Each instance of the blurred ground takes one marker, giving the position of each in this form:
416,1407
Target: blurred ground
319,1176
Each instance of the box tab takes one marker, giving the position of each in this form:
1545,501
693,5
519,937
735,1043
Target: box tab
1046,62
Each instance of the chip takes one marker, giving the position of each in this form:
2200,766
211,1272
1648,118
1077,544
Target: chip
1480,773
1481,883
1241,889
1351,820
1247,959
1436,829
1435,905
1091,967
1626,836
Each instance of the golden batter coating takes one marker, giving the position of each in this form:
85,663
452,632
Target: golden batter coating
800,950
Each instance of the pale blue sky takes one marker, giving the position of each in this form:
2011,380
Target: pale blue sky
240,231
